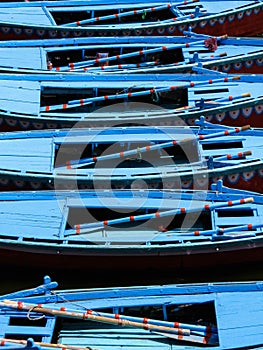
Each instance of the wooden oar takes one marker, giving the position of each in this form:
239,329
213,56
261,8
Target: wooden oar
87,161
218,231
126,14
83,228
44,345
152,91
195,329
178,333
233,156
72,66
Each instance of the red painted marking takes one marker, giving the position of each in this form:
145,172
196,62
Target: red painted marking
225,79
240,154
145,320
117,316
119,66
129,94
176,324
116,15
78,229
192,15
89,312
201,137
210,81
64,106
105,222
172,88
97,18
230,98
63,309
187,45
81,101
242,201
174,142
148,148
153,9
229,203
152,91
207,206
197,233
131,218
47,108
94,159
192,84
141,52
2,343
117,57
68,165
20,305
164,48
169,6
106,97
57,69
182,210
121,154
78,23
228,156
174,19
226,132
250,226
135,12
157,214
138,65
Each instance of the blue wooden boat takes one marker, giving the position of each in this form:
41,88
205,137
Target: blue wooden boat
59,19
175,316
120,55
62,100
131,229
132,157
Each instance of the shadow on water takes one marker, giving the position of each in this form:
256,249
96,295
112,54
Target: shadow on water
15,278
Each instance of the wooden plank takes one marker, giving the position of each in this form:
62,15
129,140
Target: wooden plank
240,319
20,96
28,15
20,57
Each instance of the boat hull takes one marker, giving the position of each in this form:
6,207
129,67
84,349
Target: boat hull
127,259
244,22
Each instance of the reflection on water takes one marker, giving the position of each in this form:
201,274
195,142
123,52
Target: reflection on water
16,279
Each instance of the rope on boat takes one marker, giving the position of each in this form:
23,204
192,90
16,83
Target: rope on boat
167,331
91,160
129,13
152,91
84,228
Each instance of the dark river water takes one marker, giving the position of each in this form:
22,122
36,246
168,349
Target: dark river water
13,279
